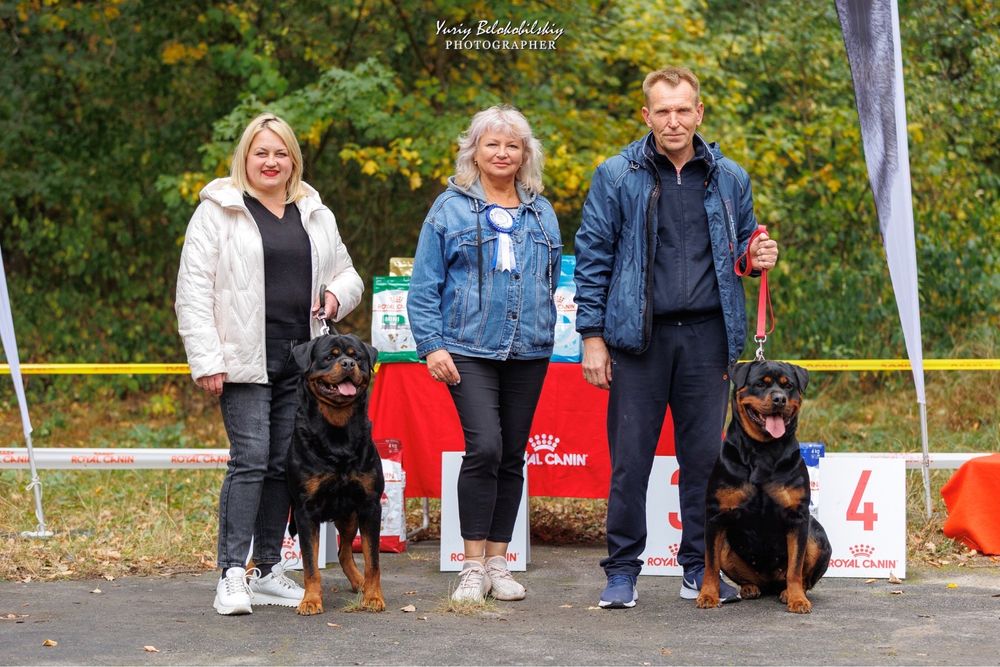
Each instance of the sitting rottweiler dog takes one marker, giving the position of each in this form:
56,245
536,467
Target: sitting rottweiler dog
334,471
758,527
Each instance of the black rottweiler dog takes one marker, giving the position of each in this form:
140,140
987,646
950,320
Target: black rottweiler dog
758,527
334,471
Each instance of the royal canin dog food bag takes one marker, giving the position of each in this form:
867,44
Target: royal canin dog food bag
391,334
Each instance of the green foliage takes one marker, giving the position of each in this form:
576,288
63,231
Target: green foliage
116,112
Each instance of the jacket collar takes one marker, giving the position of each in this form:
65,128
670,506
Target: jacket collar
477,196
225,194
641,152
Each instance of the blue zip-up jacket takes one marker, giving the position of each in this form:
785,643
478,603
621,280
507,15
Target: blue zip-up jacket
457,301
617,239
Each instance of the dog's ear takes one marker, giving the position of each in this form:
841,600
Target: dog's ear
302,354
801,377
740,372
372,355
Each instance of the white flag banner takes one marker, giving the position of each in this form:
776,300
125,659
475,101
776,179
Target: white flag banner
10,348
871,35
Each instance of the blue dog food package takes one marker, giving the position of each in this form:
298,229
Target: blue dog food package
812,452
391,334
567,340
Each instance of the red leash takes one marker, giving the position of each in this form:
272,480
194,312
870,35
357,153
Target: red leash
765,311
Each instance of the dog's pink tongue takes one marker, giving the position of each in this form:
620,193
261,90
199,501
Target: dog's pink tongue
347,388
775,425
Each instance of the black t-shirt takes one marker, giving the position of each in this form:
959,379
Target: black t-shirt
287,270
684,280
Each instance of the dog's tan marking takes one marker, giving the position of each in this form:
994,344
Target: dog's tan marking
732,497
788,497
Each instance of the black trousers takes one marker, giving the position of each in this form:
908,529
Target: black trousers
685,367
496,402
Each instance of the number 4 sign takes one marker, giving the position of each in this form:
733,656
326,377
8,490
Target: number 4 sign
863,510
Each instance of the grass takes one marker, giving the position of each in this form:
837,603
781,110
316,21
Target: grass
158,522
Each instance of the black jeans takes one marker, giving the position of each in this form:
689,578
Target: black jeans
683,367
496,402
259,419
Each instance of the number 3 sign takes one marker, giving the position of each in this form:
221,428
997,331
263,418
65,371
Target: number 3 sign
863,509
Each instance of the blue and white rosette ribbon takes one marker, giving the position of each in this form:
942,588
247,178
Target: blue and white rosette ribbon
503,223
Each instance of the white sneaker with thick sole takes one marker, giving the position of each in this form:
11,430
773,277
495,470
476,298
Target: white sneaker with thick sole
276,588
232,594
504,586
473,583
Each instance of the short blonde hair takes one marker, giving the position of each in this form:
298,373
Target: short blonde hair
501,118
672,76
238,169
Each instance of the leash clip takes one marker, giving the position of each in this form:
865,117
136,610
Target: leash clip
760,340
325,327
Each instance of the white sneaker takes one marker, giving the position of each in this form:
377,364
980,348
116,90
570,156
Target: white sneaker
473,584
277,589
232,594
504,586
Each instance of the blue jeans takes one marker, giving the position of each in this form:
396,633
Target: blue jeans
259,420
683,367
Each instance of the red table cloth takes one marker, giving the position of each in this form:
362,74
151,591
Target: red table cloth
972,496
567,448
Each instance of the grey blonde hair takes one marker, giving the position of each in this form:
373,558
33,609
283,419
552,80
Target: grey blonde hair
672,76
238,169
506,119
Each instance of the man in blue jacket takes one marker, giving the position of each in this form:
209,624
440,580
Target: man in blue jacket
661,312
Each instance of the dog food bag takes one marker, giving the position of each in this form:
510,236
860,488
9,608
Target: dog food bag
567,340
392,538
391,334
400,266
812,452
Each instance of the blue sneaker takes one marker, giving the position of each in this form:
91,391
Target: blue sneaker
620,592
691,586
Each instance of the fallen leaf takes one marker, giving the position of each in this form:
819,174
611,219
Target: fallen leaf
665,651
893,579
421,618
930,546
109,577
150,649
97,590
410,593
565,606
592,608
50,642
408,608
333,625
869,581
952,585
896,592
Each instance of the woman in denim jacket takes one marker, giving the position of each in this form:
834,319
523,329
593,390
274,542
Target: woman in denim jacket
482,314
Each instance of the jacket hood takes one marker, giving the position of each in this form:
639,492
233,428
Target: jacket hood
225,194
641,150
476,192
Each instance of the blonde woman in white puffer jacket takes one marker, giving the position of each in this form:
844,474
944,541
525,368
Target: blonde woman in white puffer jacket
256,251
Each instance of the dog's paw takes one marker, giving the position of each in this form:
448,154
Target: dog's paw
374,603
707,601
749,592
800,605
309,607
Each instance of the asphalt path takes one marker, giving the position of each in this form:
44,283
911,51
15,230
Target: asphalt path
935,617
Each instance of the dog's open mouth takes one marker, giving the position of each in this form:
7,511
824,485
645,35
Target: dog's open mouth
332,391
773,424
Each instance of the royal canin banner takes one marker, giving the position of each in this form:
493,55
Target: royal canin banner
567,452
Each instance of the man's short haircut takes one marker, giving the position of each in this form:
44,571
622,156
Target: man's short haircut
672,76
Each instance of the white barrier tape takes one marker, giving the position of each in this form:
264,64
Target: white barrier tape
76,458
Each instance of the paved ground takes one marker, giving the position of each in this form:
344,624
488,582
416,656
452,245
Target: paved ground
934,618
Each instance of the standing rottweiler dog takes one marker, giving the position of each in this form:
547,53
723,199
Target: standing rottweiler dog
758,527
334,470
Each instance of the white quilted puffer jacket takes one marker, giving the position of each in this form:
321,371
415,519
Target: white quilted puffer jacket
220,283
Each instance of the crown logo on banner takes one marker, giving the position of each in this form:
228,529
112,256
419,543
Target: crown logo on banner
543,442
865,550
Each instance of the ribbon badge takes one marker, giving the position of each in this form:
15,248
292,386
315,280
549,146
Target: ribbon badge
503,223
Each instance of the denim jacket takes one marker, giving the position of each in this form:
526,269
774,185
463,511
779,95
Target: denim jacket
459,302
617,239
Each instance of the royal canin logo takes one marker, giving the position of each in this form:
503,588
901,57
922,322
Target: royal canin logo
861,557
542,451
665,561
